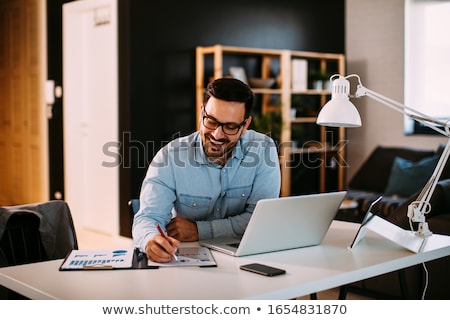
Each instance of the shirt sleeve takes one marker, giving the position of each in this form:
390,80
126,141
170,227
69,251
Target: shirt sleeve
156,200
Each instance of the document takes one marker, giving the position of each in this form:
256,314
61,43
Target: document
132,258
189,257
99,259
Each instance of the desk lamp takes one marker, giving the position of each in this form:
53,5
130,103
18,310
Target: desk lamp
340,112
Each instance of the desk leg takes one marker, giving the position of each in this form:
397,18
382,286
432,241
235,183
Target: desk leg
403,284
343,292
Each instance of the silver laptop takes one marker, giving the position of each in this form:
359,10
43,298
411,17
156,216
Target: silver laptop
283,223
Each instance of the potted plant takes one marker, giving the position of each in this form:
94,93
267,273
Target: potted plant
269,123
318,79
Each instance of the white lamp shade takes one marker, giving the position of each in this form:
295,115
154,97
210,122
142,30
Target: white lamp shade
339,111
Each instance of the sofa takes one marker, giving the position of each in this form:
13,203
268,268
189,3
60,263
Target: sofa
383,174
371,181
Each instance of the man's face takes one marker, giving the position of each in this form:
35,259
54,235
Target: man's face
216,143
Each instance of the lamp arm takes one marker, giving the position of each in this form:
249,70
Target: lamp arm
419,208
424,197
428,190
426,120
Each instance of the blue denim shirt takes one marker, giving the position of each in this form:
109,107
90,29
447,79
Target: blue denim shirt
182,181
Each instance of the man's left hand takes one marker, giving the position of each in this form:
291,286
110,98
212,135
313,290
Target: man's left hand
182,229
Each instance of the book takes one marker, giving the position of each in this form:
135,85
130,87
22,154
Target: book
299,74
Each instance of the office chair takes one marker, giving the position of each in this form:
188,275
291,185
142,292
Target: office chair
33,233
21,242
133,207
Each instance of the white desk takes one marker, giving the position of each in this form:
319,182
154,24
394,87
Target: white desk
308,270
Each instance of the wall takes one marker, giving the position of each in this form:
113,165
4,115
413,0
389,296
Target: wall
162,55
23,129
374,48
157,66
55,124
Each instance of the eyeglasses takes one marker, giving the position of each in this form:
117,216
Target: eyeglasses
229,128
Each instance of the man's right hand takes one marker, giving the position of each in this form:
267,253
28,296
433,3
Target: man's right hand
160,249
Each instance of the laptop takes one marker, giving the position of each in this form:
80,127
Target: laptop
283,223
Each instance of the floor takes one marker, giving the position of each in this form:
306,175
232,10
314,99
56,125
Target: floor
90,239
333,294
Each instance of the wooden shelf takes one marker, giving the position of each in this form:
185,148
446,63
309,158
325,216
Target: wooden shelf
329,63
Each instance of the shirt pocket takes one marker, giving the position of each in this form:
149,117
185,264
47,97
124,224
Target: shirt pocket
194,207
237,198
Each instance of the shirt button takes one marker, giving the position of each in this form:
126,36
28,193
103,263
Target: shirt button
243,195
217,209
194,204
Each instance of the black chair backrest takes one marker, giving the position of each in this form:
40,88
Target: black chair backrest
133,207
35,232
21,241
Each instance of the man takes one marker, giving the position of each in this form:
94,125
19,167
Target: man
206,184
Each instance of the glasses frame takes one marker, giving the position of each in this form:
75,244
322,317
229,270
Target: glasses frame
221,124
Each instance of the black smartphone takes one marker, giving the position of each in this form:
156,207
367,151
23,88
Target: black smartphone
263,269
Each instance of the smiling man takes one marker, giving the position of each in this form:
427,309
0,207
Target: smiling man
207,184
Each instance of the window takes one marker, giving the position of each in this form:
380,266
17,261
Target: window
427,61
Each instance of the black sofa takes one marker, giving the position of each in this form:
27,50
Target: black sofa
369,183
373,178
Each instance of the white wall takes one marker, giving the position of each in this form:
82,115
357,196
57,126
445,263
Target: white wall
375,51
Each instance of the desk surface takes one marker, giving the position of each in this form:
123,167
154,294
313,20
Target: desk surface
308,270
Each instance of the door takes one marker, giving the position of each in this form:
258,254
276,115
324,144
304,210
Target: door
90,77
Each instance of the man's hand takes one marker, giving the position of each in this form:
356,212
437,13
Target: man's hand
160,249
182,229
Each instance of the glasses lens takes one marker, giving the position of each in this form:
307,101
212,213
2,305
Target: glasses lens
210,123
227,128
230,128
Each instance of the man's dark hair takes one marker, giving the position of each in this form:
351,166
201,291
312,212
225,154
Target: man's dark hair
230,89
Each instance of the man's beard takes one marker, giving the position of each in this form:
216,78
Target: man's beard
217,149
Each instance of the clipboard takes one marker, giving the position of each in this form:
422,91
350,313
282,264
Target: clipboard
133,258
105,259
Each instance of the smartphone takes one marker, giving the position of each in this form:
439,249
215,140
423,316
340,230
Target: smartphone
262,269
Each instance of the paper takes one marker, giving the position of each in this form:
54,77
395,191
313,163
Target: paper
188,257
99,259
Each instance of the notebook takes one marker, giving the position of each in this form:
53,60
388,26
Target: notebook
283,223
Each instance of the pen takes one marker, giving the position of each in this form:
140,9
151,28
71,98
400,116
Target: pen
161,232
